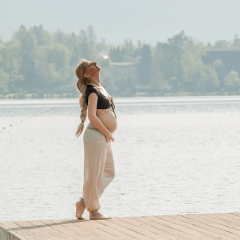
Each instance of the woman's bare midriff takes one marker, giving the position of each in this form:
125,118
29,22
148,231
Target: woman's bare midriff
108,119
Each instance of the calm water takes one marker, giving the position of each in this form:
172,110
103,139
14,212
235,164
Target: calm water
172,156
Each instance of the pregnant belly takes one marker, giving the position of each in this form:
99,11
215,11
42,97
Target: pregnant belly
108,119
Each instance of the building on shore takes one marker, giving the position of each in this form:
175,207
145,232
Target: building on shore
229,56
125,70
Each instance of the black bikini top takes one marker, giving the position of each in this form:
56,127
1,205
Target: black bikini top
102,102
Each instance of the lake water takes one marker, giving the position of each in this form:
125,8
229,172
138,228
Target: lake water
172,156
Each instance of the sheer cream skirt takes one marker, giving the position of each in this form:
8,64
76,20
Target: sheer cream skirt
98,166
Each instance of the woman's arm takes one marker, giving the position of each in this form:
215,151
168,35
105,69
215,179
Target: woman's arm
92,109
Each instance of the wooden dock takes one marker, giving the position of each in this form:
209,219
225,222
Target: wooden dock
187,227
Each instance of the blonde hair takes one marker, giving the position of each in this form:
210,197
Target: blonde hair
81,86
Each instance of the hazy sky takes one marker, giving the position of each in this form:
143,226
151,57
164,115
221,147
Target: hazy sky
116,20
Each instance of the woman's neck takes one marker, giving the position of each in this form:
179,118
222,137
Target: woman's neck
95,80
100,85
95,83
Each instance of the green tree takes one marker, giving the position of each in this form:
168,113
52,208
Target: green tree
92,43
4,79
206,79
144,69
106,65
42,36
169,61
52,76
121,86
87,47
58,37
75,51
58,64
57,53
41,68
157,83
108,82
70,41
84,48
116,54
28,49
103,46
220,68
191,64
131,85
180,40
138,49
236,41
222,44
175,84
125,87
232,82
10,62
128,51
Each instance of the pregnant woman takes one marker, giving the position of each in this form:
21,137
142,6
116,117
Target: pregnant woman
99,171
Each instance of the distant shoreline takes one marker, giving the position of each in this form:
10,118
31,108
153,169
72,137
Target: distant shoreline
141,94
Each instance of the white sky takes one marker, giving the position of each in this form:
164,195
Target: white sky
116,20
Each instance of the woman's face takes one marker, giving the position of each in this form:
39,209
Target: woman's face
91,69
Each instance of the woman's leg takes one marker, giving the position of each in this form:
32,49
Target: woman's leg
95,155
106,175
108,172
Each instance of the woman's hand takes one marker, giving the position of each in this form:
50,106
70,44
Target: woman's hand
109,137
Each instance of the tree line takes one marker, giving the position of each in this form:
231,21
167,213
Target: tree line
37,61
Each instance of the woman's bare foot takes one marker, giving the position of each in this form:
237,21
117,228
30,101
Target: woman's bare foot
95,215
80,207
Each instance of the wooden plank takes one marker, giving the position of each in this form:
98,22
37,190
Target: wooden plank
197,231
10,230
55,233
133,228
225,230
40,226
29,230
81,231
232,215
115,232
157,232
99,232
42,231
237,214
229,218
202,226
211,227
123,230
62,228
227,226
160,227
179,231
147,234
225,215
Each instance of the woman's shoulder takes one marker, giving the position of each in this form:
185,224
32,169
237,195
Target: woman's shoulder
91,88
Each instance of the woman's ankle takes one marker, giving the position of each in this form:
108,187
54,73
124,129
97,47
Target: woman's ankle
94,212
